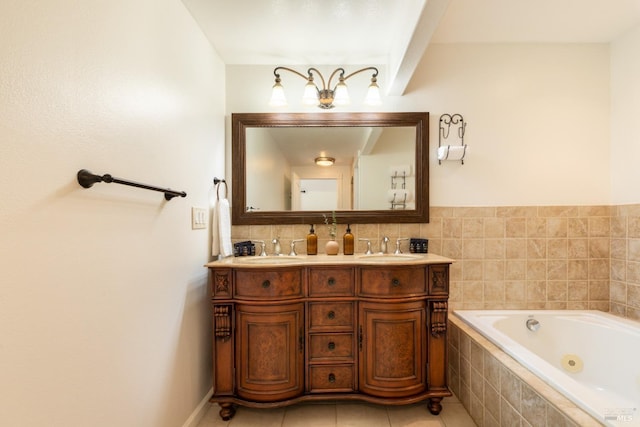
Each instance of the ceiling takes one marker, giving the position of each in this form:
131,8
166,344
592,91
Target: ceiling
395,33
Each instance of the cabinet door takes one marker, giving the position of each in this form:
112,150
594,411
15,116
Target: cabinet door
269,351
392,347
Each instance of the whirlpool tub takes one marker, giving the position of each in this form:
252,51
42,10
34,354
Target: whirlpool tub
591,357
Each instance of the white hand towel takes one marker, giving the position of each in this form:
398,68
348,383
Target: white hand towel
224,228
215,234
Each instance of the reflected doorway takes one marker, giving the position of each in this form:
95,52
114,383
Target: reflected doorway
318,194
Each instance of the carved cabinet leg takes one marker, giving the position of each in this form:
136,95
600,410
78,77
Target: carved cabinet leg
434,405
227,411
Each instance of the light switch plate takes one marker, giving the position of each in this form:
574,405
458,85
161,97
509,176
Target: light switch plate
198,218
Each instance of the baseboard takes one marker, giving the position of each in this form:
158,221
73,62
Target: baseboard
199,412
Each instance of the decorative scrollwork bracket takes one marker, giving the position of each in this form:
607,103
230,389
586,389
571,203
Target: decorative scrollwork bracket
222,321
438,318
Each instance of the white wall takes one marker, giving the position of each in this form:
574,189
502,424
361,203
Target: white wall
395,147
268,173
625,115
104,319
538,119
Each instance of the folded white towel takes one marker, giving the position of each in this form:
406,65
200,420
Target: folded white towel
224,221
221,230
215,233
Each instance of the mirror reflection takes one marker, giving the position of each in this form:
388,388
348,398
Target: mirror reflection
378,167
369,168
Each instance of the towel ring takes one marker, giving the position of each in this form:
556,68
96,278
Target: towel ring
216,182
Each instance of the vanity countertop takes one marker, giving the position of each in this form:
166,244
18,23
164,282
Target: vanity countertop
286,260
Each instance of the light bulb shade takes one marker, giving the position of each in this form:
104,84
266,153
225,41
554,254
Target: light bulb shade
277,96
310,95
341,94
325,161
373,95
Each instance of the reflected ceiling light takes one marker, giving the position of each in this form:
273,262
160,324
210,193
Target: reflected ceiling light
325,161
326,97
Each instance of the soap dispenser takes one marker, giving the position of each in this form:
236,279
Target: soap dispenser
312,242
347,241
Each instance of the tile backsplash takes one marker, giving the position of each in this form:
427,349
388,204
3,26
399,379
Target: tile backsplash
554,257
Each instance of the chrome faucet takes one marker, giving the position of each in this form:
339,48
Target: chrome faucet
293,246
383,244
263,251
533,325
276,246
369,251
398,251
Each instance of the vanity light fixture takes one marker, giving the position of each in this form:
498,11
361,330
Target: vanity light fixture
326,97
325,161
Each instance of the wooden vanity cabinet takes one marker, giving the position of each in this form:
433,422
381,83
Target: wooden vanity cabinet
289,334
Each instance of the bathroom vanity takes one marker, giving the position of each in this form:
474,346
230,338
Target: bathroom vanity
312,328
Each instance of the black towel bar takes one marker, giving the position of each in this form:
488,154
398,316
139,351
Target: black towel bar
86,179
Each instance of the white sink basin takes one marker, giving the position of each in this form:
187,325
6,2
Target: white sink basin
267,260
389,257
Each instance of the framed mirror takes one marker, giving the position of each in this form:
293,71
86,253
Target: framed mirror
378,172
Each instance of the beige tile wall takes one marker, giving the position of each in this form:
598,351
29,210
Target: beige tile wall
526,257
556,257
625,261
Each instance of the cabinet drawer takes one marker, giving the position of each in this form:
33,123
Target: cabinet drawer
331,316
331,282
331,378
269,284
330,347
389,281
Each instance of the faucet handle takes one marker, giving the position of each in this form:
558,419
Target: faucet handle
293,246
276,246
383,245
263,251
398,251
369,251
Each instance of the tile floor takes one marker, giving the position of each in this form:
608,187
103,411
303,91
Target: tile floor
344,415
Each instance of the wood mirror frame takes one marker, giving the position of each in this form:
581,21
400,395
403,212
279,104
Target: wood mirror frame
241,121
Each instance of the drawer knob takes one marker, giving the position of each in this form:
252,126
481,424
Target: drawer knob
331,281
331,345
266,284
395,283
331,314
332,378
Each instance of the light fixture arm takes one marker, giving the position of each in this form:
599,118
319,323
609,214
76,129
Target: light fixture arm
324,86
375,74
275,72
326,95
341,70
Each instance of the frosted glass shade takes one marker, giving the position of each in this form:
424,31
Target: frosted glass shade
310,95
341,94
277,96
373,95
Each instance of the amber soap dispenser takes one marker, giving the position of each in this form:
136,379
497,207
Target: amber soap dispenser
312,242
347,241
